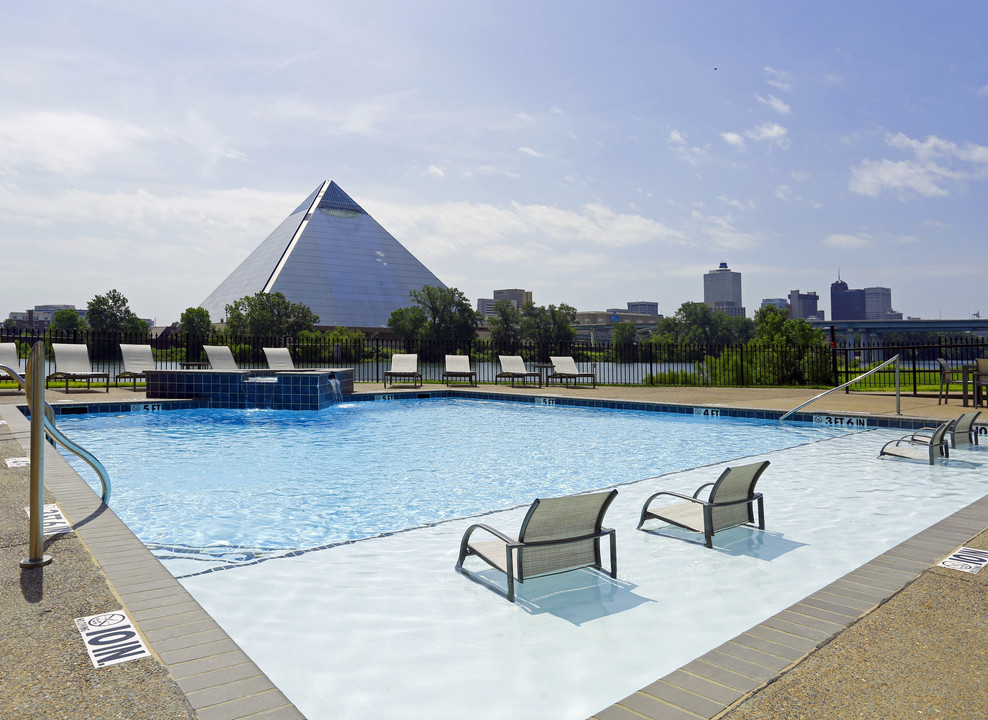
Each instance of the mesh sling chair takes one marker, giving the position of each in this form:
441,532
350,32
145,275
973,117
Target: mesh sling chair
963,431
731,501
557,535
933,440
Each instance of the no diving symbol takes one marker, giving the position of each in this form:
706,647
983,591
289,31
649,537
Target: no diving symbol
111,638
965,559
107,620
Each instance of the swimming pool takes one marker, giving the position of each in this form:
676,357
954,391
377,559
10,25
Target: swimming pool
385,628
230,485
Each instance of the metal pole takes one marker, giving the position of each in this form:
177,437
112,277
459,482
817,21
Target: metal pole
35,377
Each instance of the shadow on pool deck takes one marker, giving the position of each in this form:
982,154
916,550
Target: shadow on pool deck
898,637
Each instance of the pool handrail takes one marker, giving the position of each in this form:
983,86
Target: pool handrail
58,436
875,369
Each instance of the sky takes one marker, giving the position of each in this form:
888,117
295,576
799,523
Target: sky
593,153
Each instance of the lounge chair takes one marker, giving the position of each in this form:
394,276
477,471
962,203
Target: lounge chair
279,358
137,360
404,367
963,431
220,357
933,442
948,377
564,368
513,368
730,504
72,363
9,364
458,368
557,535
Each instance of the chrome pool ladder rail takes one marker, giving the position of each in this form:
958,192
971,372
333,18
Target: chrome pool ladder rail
875,369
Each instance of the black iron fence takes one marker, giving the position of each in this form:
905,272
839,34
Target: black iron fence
749,365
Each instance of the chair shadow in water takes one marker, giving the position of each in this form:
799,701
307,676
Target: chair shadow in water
759,544
577,596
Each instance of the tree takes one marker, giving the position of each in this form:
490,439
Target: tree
10,324
548,325
505,325
623,341
268,315
697,323
111,313
449,316
196,321
66,320
407,323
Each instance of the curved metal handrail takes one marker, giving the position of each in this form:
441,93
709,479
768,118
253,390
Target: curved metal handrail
851,382
56,435
104,476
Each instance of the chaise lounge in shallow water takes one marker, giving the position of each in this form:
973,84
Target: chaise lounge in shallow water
730,503
963,431
923,444
557,535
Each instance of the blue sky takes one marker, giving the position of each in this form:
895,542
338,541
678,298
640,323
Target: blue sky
594,153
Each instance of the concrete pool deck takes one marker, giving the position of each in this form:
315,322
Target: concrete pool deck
898,637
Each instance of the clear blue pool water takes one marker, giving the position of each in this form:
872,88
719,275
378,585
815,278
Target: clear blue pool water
263,480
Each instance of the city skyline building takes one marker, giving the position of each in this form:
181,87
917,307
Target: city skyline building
805,305
722,290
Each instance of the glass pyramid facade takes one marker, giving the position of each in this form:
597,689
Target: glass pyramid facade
331,255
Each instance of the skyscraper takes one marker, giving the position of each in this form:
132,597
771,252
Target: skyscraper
846,304
722,290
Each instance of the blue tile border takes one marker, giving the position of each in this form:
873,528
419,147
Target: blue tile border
850,420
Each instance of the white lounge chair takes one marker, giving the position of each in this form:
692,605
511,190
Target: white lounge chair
72,363
564,368
404,367
279,358
10,363
513,368
557,535
730,504
924,444
458,368
137,360
220,357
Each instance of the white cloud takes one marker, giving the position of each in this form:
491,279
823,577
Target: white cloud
937,162
775,103
434,171
771,133
531,152
732,138
847,242
691,154
781,79
68,144
720,231
983,90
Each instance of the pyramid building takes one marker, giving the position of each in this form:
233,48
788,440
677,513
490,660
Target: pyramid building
331,255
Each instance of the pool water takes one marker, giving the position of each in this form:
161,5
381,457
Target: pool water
239,484
385,628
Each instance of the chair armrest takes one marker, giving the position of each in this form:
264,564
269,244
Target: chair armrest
701,488
645,513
